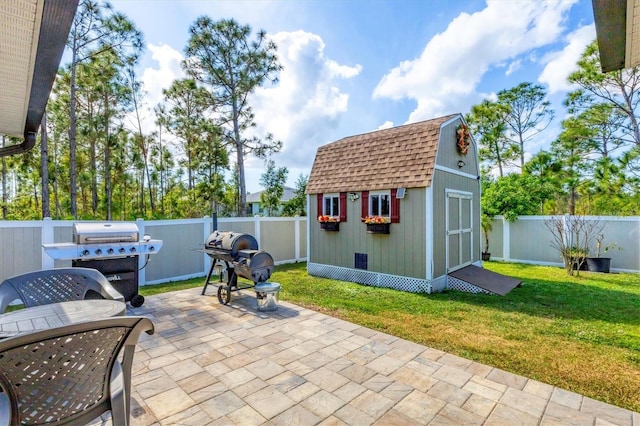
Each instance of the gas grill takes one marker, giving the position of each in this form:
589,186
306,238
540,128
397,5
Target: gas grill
111,248
234,255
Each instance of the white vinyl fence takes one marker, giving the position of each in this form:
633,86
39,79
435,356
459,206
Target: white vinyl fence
528,240
285,238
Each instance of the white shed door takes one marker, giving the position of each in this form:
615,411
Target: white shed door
459,225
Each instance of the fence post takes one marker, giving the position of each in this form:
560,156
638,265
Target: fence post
206,231
296,236
47,238
142,273
506,240
256,228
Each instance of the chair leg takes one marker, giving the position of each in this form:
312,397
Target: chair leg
119,397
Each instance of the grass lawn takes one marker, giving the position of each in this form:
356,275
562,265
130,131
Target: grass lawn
577,333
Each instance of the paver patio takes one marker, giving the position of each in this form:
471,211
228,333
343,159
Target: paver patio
210,364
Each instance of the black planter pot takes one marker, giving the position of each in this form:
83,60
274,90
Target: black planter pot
330,226
378,228
486,256
599,264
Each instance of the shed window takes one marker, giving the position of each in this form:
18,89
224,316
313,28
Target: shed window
331,205
379,204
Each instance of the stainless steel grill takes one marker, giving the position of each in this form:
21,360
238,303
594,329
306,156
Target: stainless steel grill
111,248
234,255
93,240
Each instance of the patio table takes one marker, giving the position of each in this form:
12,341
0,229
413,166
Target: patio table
58,314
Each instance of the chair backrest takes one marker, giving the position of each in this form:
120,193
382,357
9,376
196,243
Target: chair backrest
64,375
55,285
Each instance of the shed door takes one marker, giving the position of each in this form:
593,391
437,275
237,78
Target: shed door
459,227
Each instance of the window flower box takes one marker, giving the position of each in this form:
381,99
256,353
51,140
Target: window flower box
377,224
329,223
330,226
378,228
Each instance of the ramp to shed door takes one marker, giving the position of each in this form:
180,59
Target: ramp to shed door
486,280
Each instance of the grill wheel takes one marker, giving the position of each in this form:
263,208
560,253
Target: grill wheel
137,301
224,294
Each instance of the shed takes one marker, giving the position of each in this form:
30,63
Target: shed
419,185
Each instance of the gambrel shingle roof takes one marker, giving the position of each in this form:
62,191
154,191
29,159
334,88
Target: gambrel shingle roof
402,156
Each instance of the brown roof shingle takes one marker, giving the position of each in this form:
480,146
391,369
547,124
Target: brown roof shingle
402,156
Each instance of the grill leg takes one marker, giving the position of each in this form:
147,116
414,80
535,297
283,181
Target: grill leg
207,282
233,278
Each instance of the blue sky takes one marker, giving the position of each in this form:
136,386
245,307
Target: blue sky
353,66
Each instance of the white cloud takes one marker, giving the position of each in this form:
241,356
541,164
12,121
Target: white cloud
386,125
306,104
168,70
561,63
300,110
445,76
154,80
513,67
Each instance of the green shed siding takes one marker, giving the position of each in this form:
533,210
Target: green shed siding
402,252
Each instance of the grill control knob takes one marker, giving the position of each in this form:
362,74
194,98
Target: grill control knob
122,250
151,248
99,252
133,249
85,252
110,251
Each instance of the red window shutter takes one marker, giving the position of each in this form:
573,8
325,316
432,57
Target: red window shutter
343,207
395,207
364,210
320,198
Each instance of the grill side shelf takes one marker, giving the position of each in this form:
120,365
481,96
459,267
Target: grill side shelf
71,251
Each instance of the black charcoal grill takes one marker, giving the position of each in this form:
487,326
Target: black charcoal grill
234,255
111,248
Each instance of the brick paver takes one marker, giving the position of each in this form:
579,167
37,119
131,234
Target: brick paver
210,364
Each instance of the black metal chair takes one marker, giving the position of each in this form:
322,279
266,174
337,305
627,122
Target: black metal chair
70,374
56,285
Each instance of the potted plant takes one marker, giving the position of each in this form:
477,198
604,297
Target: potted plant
377,224
485,224
329,223
599,263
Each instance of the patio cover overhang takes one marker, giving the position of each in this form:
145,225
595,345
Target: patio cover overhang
618,31
33,34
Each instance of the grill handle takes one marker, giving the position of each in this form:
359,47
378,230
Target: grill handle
109,239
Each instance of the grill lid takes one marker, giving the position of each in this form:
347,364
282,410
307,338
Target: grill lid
96,233
231,242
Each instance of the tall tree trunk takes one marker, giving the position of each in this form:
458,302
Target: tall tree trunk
240,156
145,154
107,168
56,179
93,161
499,159
44,167
162,191
72,135
5,196
572,201
521,155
